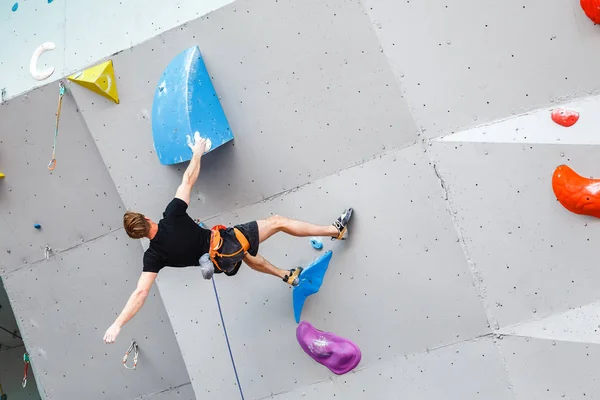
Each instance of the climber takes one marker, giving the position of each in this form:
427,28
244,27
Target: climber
178,241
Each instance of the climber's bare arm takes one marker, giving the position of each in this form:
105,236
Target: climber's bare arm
134,304
193,170
189,179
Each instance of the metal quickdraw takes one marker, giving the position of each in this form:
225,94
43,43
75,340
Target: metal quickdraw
26,360
132,346
52,163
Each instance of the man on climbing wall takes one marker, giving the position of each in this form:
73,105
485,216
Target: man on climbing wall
178,241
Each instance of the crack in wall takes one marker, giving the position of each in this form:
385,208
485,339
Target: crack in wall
442,182
475,273
61,251
167,390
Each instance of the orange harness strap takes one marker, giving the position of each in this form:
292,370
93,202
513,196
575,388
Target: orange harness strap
242,239
216,241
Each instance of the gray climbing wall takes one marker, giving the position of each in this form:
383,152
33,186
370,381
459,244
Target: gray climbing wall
319,90
465,63
463,277
64,303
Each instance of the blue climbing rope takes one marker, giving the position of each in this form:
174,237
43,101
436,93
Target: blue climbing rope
237,378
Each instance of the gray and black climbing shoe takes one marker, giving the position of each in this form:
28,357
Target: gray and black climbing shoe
341,224
292,278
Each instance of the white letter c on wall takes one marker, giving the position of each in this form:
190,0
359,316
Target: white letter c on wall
40,75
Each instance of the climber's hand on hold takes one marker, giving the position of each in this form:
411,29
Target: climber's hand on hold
111,334
199,145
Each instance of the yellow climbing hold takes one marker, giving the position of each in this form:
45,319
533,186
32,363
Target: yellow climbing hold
99,79
1,175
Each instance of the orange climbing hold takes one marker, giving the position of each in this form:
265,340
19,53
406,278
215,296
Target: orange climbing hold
565,117
576,193
591,8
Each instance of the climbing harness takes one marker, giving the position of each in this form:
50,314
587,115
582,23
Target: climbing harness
61,93
216,242
26,360
132,346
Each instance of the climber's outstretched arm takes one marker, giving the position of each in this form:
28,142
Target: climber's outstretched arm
134,304
193,170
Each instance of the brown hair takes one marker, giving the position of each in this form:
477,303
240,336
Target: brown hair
135,225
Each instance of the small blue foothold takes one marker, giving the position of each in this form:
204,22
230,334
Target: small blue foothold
37,226
316,243
15,6
50,1
311,280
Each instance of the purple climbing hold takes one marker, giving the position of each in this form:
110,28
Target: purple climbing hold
336,353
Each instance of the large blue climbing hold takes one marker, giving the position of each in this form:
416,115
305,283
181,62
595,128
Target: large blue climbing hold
311,279
184,102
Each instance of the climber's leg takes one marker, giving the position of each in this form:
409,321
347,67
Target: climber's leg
261,264
272,225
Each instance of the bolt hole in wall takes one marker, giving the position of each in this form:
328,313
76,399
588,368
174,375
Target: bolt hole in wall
12,364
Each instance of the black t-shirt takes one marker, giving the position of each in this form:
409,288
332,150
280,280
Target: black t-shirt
179,242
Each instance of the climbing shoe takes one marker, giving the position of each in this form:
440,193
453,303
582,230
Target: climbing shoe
292,278
341,224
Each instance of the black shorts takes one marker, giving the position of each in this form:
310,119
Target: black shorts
250,231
